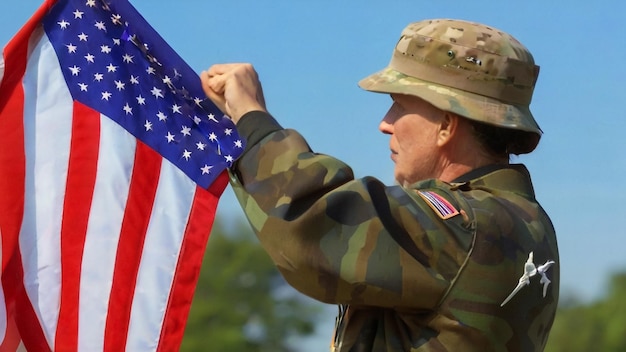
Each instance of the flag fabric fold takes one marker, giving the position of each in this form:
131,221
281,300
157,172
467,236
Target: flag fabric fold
112,162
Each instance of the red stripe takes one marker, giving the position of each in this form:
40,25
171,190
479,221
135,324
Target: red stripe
134,227
12,170
12,184
12,178
189,263
12,337
12,154
15,52
81,179
21,308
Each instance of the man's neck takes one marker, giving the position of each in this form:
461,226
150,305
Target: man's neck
452,171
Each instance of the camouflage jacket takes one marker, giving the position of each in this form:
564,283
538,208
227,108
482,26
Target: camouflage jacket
423,268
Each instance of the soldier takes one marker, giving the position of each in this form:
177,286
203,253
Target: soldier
459,255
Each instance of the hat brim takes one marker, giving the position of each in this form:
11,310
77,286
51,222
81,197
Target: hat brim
472,106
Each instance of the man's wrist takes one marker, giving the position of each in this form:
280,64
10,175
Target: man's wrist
255,125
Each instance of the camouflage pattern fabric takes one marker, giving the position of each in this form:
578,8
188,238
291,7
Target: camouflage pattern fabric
470,69
424,268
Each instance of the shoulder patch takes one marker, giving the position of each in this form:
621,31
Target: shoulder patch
439,204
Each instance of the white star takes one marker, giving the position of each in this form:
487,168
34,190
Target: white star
98,77
128,58
120,85
78,14
201,145
117,41
91,3
105,49
100,25
71,48
128,109
148,125
228,131
63,24
167,80
212,118
116,19
170,137
197,101
187,154
141,100
106,96
83,37
161,116
83,87
75,70
238,143
197,120
111,68
134,80
157,92
90,58
186,131
151,70
212,137
176,108
229,159
206,169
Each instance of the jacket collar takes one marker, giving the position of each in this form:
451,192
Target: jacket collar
506,178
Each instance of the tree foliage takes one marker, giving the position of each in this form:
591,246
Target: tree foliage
241,301
598,326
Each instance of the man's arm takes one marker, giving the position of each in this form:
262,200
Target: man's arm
334,238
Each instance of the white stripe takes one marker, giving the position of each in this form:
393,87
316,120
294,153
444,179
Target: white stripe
1,69
21,348
48,127
115,167
172,206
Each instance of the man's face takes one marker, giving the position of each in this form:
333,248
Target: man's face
413,125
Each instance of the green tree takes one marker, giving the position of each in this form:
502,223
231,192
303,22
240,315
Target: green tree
597,326
241,301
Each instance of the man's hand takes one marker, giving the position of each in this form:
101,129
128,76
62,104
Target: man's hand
234,88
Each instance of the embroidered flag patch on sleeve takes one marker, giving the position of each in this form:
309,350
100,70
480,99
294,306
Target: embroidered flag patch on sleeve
439,204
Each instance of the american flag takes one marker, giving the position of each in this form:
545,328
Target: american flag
111,165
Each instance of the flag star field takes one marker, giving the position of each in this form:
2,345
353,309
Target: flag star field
112,69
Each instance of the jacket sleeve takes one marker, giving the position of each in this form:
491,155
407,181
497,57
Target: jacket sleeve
340,239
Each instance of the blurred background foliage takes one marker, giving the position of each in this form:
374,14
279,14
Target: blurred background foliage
594,326
241,301
243,304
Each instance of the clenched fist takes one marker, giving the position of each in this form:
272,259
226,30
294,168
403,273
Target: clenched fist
234,88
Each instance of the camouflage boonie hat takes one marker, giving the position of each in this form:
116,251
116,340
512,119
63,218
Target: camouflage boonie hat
470,69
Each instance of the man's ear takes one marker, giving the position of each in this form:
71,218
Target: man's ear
447,128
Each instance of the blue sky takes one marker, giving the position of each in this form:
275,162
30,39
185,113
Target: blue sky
311,54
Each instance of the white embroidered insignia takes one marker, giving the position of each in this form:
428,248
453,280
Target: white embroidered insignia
529,271
439,204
